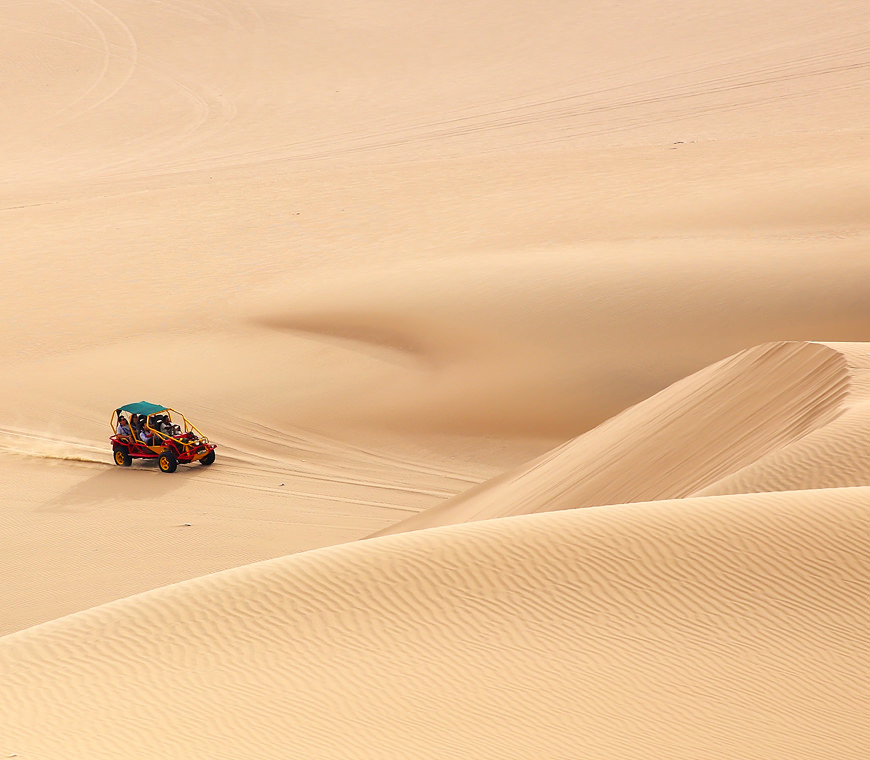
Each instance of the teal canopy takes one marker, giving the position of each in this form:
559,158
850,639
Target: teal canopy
141,407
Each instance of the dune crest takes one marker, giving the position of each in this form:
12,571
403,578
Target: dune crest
830,456
679,442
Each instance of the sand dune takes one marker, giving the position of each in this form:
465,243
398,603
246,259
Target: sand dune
716,627
766,410
426,270
833,455
78,531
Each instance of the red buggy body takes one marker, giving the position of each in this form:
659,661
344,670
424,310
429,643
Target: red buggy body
143,430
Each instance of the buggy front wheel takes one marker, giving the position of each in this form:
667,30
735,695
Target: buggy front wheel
167,462
121,457
208,458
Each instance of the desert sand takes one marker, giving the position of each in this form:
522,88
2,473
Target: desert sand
535,340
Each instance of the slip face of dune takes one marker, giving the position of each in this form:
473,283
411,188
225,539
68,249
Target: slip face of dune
833,455
682,440
718,628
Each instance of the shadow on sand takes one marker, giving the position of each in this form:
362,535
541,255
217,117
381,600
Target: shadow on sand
142,481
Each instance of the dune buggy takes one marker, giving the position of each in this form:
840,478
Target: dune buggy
150,431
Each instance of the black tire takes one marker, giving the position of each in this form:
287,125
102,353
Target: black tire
208,458
121,457
167,462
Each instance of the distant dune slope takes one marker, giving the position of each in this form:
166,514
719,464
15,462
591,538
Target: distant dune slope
721,627
752,406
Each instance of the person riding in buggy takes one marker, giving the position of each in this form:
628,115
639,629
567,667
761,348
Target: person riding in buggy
143,430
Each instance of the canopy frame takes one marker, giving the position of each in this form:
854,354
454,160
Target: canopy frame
143,408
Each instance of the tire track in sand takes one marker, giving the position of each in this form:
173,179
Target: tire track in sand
120,56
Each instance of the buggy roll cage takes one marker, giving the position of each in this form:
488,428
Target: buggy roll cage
145,411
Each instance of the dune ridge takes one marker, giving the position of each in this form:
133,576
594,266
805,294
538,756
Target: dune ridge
714,627
686,438
835,454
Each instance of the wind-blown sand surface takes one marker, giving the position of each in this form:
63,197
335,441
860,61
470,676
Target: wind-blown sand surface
449,272
717,627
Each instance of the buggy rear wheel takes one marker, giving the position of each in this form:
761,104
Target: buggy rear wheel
208,458
121,457
167,462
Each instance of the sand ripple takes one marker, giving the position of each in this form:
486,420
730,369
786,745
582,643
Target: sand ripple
719,628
